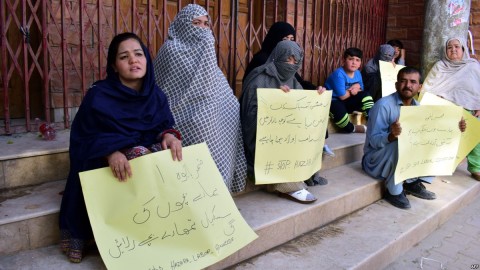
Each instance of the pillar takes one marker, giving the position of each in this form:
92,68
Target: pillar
443,19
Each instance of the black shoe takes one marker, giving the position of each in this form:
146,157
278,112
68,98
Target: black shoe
399,200
417,189
316,180
309,182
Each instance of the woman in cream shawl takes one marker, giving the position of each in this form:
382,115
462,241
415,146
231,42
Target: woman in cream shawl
457,78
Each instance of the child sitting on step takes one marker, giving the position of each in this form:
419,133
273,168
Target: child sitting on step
348,95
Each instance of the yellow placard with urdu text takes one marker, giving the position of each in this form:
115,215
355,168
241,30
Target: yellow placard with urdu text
168,215
290,134
470,138
429,141
388,72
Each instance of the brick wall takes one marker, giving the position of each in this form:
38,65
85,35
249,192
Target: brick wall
405,22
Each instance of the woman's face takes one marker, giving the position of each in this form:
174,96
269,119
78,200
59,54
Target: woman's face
130,63
201,21
289,37
454,50
291,60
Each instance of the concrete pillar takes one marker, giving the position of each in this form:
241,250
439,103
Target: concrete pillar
443,19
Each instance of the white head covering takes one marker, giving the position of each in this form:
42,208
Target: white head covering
183,30
202,102
456,81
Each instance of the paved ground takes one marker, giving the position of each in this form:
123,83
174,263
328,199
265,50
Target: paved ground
455,245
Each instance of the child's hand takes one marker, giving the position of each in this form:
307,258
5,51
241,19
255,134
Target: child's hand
354,89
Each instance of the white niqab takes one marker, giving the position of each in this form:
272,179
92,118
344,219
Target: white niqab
202,102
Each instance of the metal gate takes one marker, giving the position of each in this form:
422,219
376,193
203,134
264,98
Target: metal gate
52,50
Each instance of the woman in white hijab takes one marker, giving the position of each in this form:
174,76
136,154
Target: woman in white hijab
457,78
202,102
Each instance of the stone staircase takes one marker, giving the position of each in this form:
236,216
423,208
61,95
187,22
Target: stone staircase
372,237
32,174
348,227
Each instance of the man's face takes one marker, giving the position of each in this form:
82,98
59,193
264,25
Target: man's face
408,85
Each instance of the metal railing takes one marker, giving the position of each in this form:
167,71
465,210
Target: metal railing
52,50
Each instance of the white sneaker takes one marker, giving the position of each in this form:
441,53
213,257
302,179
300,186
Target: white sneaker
327,151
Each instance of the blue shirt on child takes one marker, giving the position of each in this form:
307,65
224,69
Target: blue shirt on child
339,82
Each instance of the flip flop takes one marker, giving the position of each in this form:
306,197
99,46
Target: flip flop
300,196
327,151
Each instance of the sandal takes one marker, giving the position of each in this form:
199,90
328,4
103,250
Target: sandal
476,176
300,196
360,129
75,253
327,151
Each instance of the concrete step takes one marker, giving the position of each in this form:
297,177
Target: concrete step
356,118
374,236
29,217
26,210
275,220
347,228
26,159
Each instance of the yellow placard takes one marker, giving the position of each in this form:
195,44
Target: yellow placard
290,134
388,72
169,215
429,141
470,138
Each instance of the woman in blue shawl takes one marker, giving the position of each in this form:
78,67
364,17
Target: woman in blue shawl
122,117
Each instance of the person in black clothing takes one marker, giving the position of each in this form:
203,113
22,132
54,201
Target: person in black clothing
280,31
399,57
